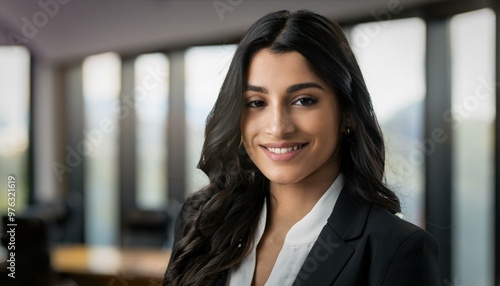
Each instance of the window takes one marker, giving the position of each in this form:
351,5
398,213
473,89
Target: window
151,105
391,55
473,109
14,123
206,68
101,88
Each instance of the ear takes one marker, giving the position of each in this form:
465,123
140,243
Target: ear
347,122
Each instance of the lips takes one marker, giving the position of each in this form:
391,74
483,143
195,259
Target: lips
283,151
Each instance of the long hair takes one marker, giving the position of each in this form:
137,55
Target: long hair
222,218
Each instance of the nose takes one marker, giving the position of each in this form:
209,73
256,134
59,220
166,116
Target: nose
280,122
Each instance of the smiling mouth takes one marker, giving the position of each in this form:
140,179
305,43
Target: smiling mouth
285,150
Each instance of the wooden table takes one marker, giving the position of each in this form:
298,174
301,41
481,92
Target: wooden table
110,266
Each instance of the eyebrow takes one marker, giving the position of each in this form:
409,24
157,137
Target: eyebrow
290,89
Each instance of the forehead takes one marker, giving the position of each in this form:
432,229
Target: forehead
268,68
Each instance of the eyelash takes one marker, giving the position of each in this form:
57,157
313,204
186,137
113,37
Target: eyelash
253,104
310,100
260,103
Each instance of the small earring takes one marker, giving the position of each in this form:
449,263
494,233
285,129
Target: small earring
348,131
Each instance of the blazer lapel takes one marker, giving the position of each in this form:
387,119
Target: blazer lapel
330,252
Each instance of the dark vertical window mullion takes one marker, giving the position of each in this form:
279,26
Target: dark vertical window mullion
438,160
127,145
75,125
176,129
497,147
31,137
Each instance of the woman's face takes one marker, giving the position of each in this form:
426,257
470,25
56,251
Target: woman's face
291,122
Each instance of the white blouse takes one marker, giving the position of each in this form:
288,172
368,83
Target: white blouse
298,242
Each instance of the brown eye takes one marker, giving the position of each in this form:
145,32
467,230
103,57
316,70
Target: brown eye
306,101
256,104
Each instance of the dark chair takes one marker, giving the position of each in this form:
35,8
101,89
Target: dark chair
28,241
146,228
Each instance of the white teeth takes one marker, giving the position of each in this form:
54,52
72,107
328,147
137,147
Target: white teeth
283,150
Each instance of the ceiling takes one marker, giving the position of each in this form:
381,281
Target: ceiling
59,31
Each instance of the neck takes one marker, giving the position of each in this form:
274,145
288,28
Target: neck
290,203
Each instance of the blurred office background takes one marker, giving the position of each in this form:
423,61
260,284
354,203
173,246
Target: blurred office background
103,103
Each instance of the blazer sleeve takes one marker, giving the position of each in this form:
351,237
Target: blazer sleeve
415,262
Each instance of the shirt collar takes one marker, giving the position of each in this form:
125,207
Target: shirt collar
307,230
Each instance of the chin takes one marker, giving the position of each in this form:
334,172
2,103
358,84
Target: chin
283,179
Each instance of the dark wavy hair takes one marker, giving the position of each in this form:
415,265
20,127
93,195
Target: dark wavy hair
219,221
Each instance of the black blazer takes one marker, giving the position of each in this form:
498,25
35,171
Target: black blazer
363,244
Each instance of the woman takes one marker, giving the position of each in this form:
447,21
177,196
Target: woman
295,159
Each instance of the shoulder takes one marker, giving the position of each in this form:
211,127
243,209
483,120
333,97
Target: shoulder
395,233
381,222
388,249
407,252
365,219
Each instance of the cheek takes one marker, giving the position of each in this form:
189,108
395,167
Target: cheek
248,131
249,127
249,150
245,132
326,127
325,122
